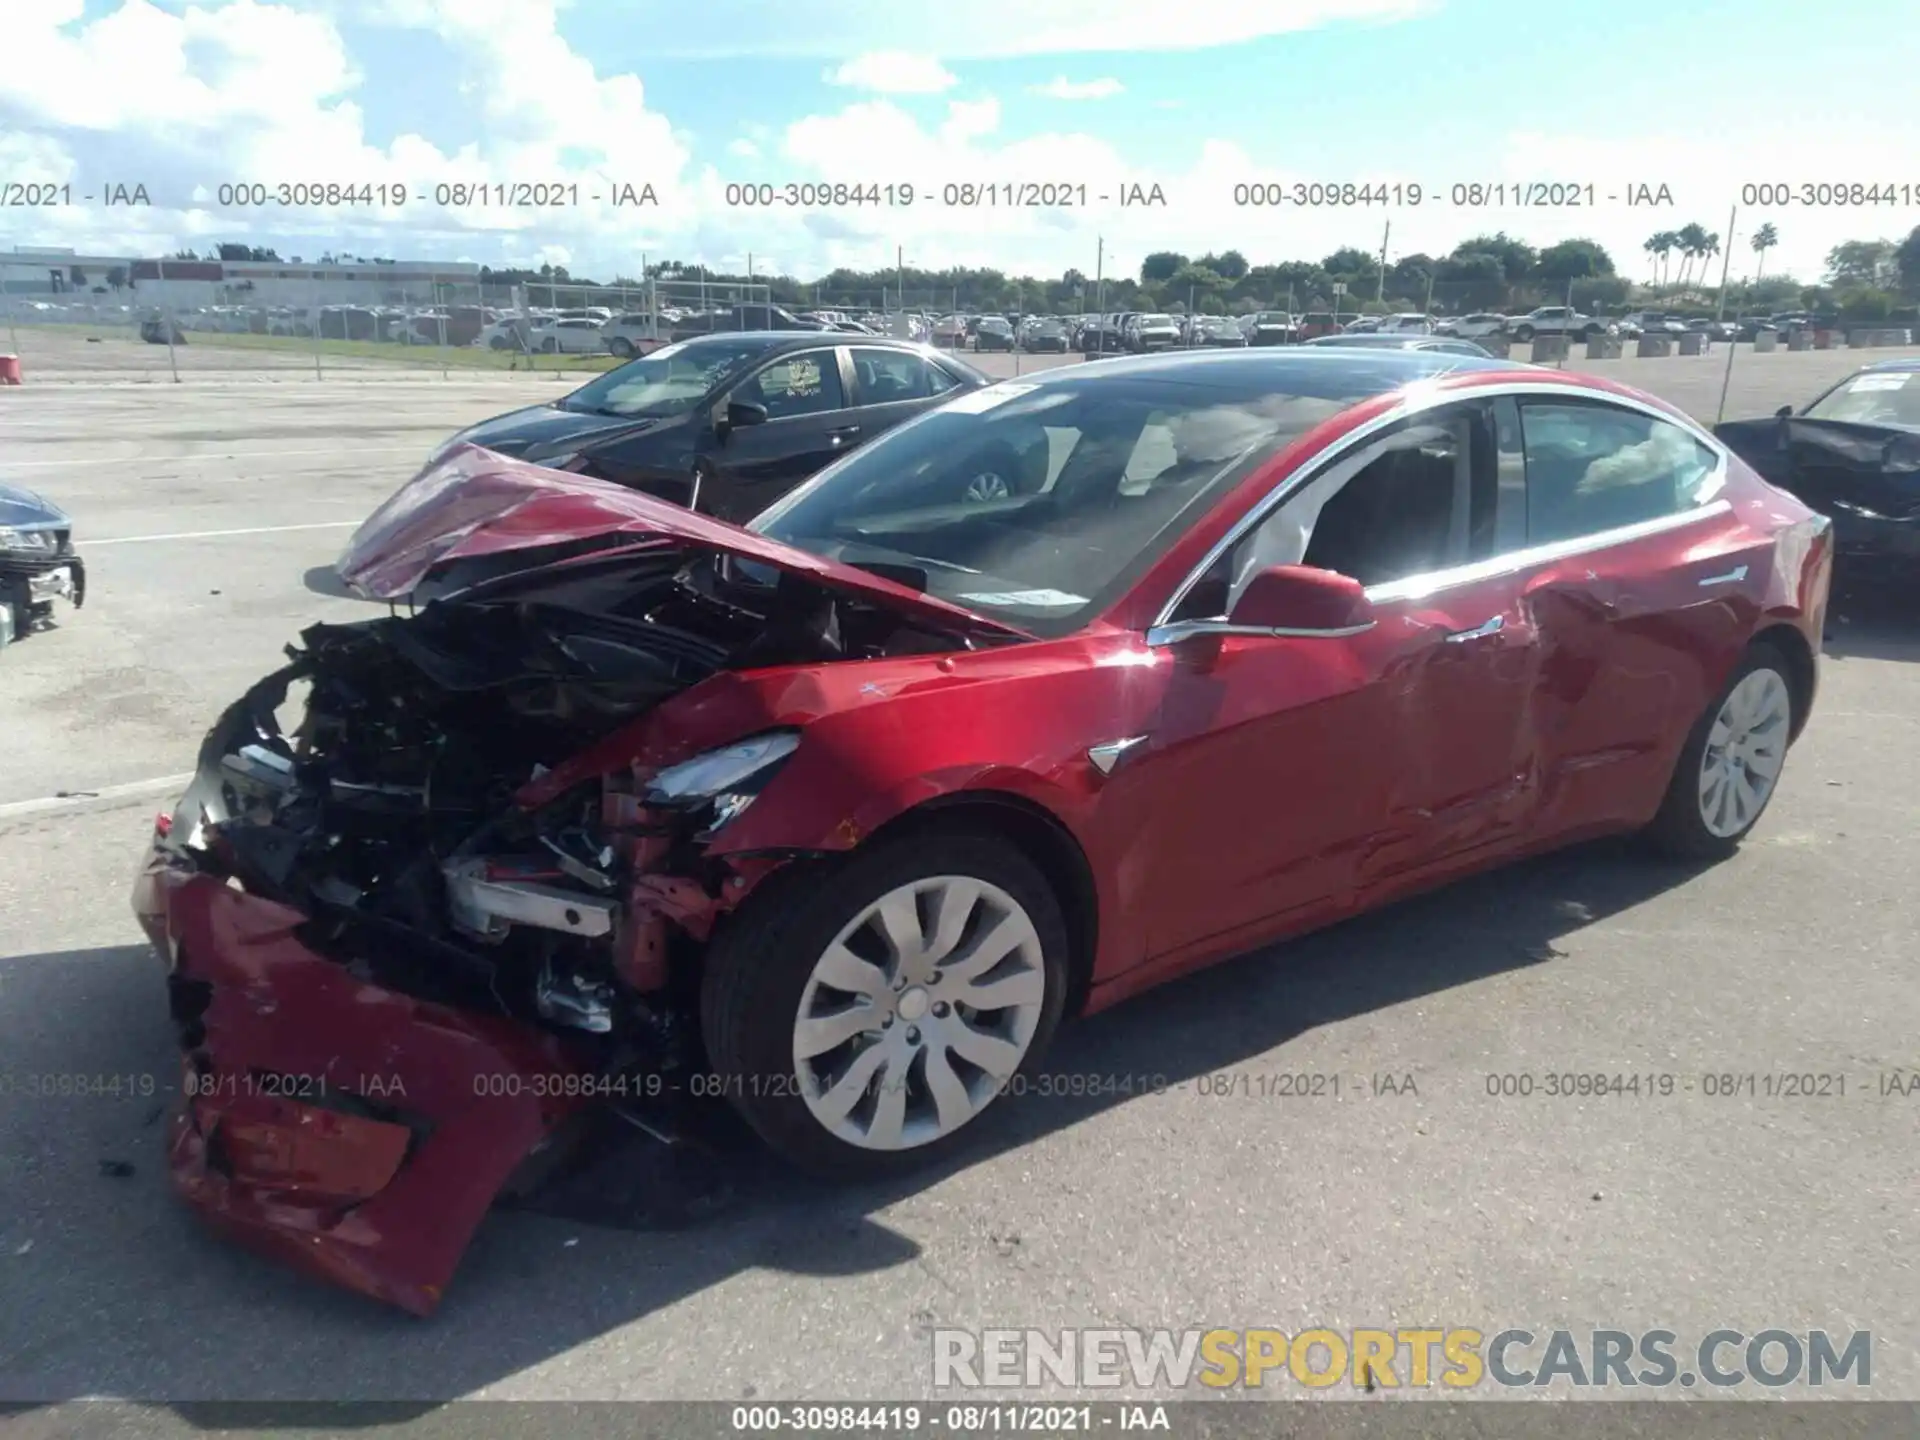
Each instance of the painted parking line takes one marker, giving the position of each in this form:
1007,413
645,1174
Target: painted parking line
71,799
219,455
220,534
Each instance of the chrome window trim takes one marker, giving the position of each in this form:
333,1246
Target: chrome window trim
1162,635
1416,587
1429,400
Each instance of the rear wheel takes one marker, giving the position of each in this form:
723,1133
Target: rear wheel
1523,334
862,1021
1731,762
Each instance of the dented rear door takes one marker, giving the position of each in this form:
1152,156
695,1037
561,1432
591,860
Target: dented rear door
1641,621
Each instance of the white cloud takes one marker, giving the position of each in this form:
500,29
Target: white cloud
996,28
184,97
893,72
1061,88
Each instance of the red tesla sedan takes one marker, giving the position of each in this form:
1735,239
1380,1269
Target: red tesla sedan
845,810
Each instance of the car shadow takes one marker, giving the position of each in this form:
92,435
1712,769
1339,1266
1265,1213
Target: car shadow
647,1224
324,580
1873,614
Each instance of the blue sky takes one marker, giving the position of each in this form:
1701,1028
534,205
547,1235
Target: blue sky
1194,97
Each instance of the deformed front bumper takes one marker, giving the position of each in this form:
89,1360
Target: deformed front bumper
351,1131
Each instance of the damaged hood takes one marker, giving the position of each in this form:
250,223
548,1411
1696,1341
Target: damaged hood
475,502
1826,463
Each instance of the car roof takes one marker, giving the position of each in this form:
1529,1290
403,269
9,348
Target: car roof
1902,362
800,339
1281,367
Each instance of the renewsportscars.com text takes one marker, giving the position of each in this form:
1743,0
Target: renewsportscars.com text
1454,1358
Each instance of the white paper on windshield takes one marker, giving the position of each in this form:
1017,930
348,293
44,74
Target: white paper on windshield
1038,599
977,402
1879,382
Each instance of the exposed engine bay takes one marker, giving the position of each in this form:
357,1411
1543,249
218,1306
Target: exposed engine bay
381,802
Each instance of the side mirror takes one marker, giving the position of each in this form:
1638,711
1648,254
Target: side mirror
1301,598
741,413
1785,412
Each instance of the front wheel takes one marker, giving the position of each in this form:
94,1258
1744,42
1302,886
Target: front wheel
621,346
861,1021
1730,764
1523,334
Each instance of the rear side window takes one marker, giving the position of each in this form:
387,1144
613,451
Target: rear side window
1593,468
803,384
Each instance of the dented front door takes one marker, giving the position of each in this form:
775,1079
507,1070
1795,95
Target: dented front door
1460,666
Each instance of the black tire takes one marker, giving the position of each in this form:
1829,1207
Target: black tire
549,346
499,342
757,970
621,346
1523,334
1678,830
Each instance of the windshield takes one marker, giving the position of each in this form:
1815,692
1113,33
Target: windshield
1879,397
1091,482
670,381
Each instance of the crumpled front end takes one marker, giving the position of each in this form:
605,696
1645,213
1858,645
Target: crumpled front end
423,908
340,1127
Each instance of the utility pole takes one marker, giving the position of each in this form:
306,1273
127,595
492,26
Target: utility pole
1100,293
1726,264
1380,289
1726,380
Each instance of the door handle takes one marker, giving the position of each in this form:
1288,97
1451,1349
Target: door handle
1478,632
843,432
1732,577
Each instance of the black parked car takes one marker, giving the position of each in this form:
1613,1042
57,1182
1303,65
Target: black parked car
1045,337
38,565
993,333
1853,454
726,424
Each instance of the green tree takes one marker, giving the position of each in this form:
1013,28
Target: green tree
1475,280
1160,267
1660,245
1573,260
1516,257
1906,263
1860,264
1230,265
1764,239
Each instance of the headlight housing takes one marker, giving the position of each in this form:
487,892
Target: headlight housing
25,539
727,779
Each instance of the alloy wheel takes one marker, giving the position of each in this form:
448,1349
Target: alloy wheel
988,485
916,1015
1745,751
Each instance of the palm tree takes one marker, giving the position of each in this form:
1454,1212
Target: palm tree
1660,245
1692,241
1764,239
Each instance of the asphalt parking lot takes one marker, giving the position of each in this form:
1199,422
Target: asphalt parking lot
204,508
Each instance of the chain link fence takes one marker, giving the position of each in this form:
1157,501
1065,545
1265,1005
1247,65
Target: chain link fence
178,319
152,324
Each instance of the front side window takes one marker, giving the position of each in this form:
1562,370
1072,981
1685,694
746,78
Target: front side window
670,381
1596,467
1416,502
803,384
